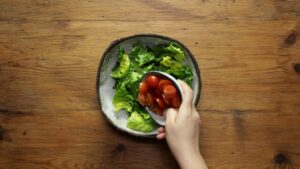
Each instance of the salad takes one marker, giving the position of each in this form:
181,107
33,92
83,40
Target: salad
129,70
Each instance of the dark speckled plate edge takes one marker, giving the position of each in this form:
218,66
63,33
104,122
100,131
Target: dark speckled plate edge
115,43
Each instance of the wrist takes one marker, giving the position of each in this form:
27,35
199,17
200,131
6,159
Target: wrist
192,160
187,151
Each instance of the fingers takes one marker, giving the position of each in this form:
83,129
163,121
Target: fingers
160,136
171,114
187,98
161,130
161,133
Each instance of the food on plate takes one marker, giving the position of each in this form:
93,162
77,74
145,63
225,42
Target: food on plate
131,94
158,93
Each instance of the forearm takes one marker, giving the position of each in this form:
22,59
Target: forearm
191,161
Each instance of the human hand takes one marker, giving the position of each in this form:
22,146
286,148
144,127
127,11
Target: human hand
182,131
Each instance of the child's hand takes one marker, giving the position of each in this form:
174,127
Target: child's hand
182,131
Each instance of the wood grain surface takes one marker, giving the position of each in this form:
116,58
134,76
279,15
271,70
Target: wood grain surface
249,57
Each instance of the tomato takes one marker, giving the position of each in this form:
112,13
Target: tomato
149,99
167,101
161,103
169,91
142,99
163,83
143,87
152,81
157,110
145,99
157,93
176,102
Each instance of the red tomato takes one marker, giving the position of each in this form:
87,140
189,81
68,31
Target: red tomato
167,101
143,87
170,91
163,83
161,103
142,99
176,102
145,99
157,110
149,99
157,93
152,81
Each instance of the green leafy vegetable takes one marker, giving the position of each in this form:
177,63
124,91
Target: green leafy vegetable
122,99
129,70
177,51
141,54
138,122
177,69
122,65
168,62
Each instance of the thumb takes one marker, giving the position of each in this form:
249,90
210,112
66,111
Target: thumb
171,114
187,98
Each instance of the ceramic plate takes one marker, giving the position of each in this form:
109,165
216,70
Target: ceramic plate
105,82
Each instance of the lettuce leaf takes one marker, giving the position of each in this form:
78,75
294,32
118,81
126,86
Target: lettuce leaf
122,100
177,69
177,52
138,122
122,66
169,63
141,54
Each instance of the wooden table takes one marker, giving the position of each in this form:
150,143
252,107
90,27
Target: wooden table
248,52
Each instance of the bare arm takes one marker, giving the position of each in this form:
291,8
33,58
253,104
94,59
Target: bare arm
181,132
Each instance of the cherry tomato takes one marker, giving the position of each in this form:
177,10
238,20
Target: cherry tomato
143,87
161,103
145,99
152,81
163,83
157,93
149,99
176,102
170,91
157,110
167,101
142,99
